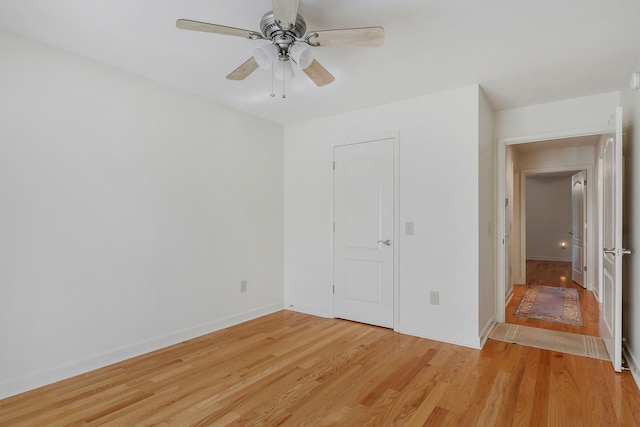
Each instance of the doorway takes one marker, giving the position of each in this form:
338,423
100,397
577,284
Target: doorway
545,169
611,297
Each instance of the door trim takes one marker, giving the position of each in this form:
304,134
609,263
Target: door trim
579,179
600,210
395,136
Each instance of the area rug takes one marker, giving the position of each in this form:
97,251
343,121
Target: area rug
550,304
579,345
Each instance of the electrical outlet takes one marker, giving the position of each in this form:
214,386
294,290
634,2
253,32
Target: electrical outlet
434,298
243,286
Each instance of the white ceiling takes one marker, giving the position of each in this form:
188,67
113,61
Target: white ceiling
521,52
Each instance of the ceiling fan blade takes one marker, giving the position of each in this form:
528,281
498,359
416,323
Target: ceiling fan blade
319,74
186,24
243,71
366,36
286,11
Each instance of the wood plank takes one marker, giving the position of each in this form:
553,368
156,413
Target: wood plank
555,274
295,369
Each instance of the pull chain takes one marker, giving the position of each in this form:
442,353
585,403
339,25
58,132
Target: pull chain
284,95
272,94
273,75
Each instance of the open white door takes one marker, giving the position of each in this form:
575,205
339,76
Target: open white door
364,232
611,307
578,225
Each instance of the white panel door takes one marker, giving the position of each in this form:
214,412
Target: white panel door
363,235
611,307
578,218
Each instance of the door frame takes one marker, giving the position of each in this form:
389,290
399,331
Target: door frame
600,208
395,136
501,144
585,201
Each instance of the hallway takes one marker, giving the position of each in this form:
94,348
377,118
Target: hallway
556,274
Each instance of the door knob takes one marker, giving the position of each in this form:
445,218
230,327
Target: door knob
609,251
385,242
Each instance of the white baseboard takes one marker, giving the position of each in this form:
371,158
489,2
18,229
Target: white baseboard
473,342
509,296
307,309
547,258
20,385
634,365
484,333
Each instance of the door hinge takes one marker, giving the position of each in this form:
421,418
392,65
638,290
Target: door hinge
334,165
585,268
334,227
334,289
585,182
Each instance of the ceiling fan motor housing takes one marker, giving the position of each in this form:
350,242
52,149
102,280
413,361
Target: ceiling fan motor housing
283,38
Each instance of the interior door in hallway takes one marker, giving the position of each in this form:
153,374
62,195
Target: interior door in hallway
364,203
611,308
578,223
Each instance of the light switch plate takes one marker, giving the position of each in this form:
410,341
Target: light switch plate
434,298
408,228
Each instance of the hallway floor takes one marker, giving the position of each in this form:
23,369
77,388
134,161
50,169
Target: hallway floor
557,274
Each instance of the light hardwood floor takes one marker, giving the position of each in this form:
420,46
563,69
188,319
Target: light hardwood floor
294,369
557,274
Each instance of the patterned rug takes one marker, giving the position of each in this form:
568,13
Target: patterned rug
550,304
580,345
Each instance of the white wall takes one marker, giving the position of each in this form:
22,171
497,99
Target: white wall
518,271
512,221
548,213
553,159
580,116
486,214
507,207
439,192
631,294
130,213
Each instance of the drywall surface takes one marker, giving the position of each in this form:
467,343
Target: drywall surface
557,158
130,214
439,170
509,229
579,116
548,213
486,213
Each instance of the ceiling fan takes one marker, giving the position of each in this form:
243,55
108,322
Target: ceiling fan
286,29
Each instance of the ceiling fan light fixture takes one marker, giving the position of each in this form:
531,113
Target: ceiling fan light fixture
283,70
266,55
302,55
